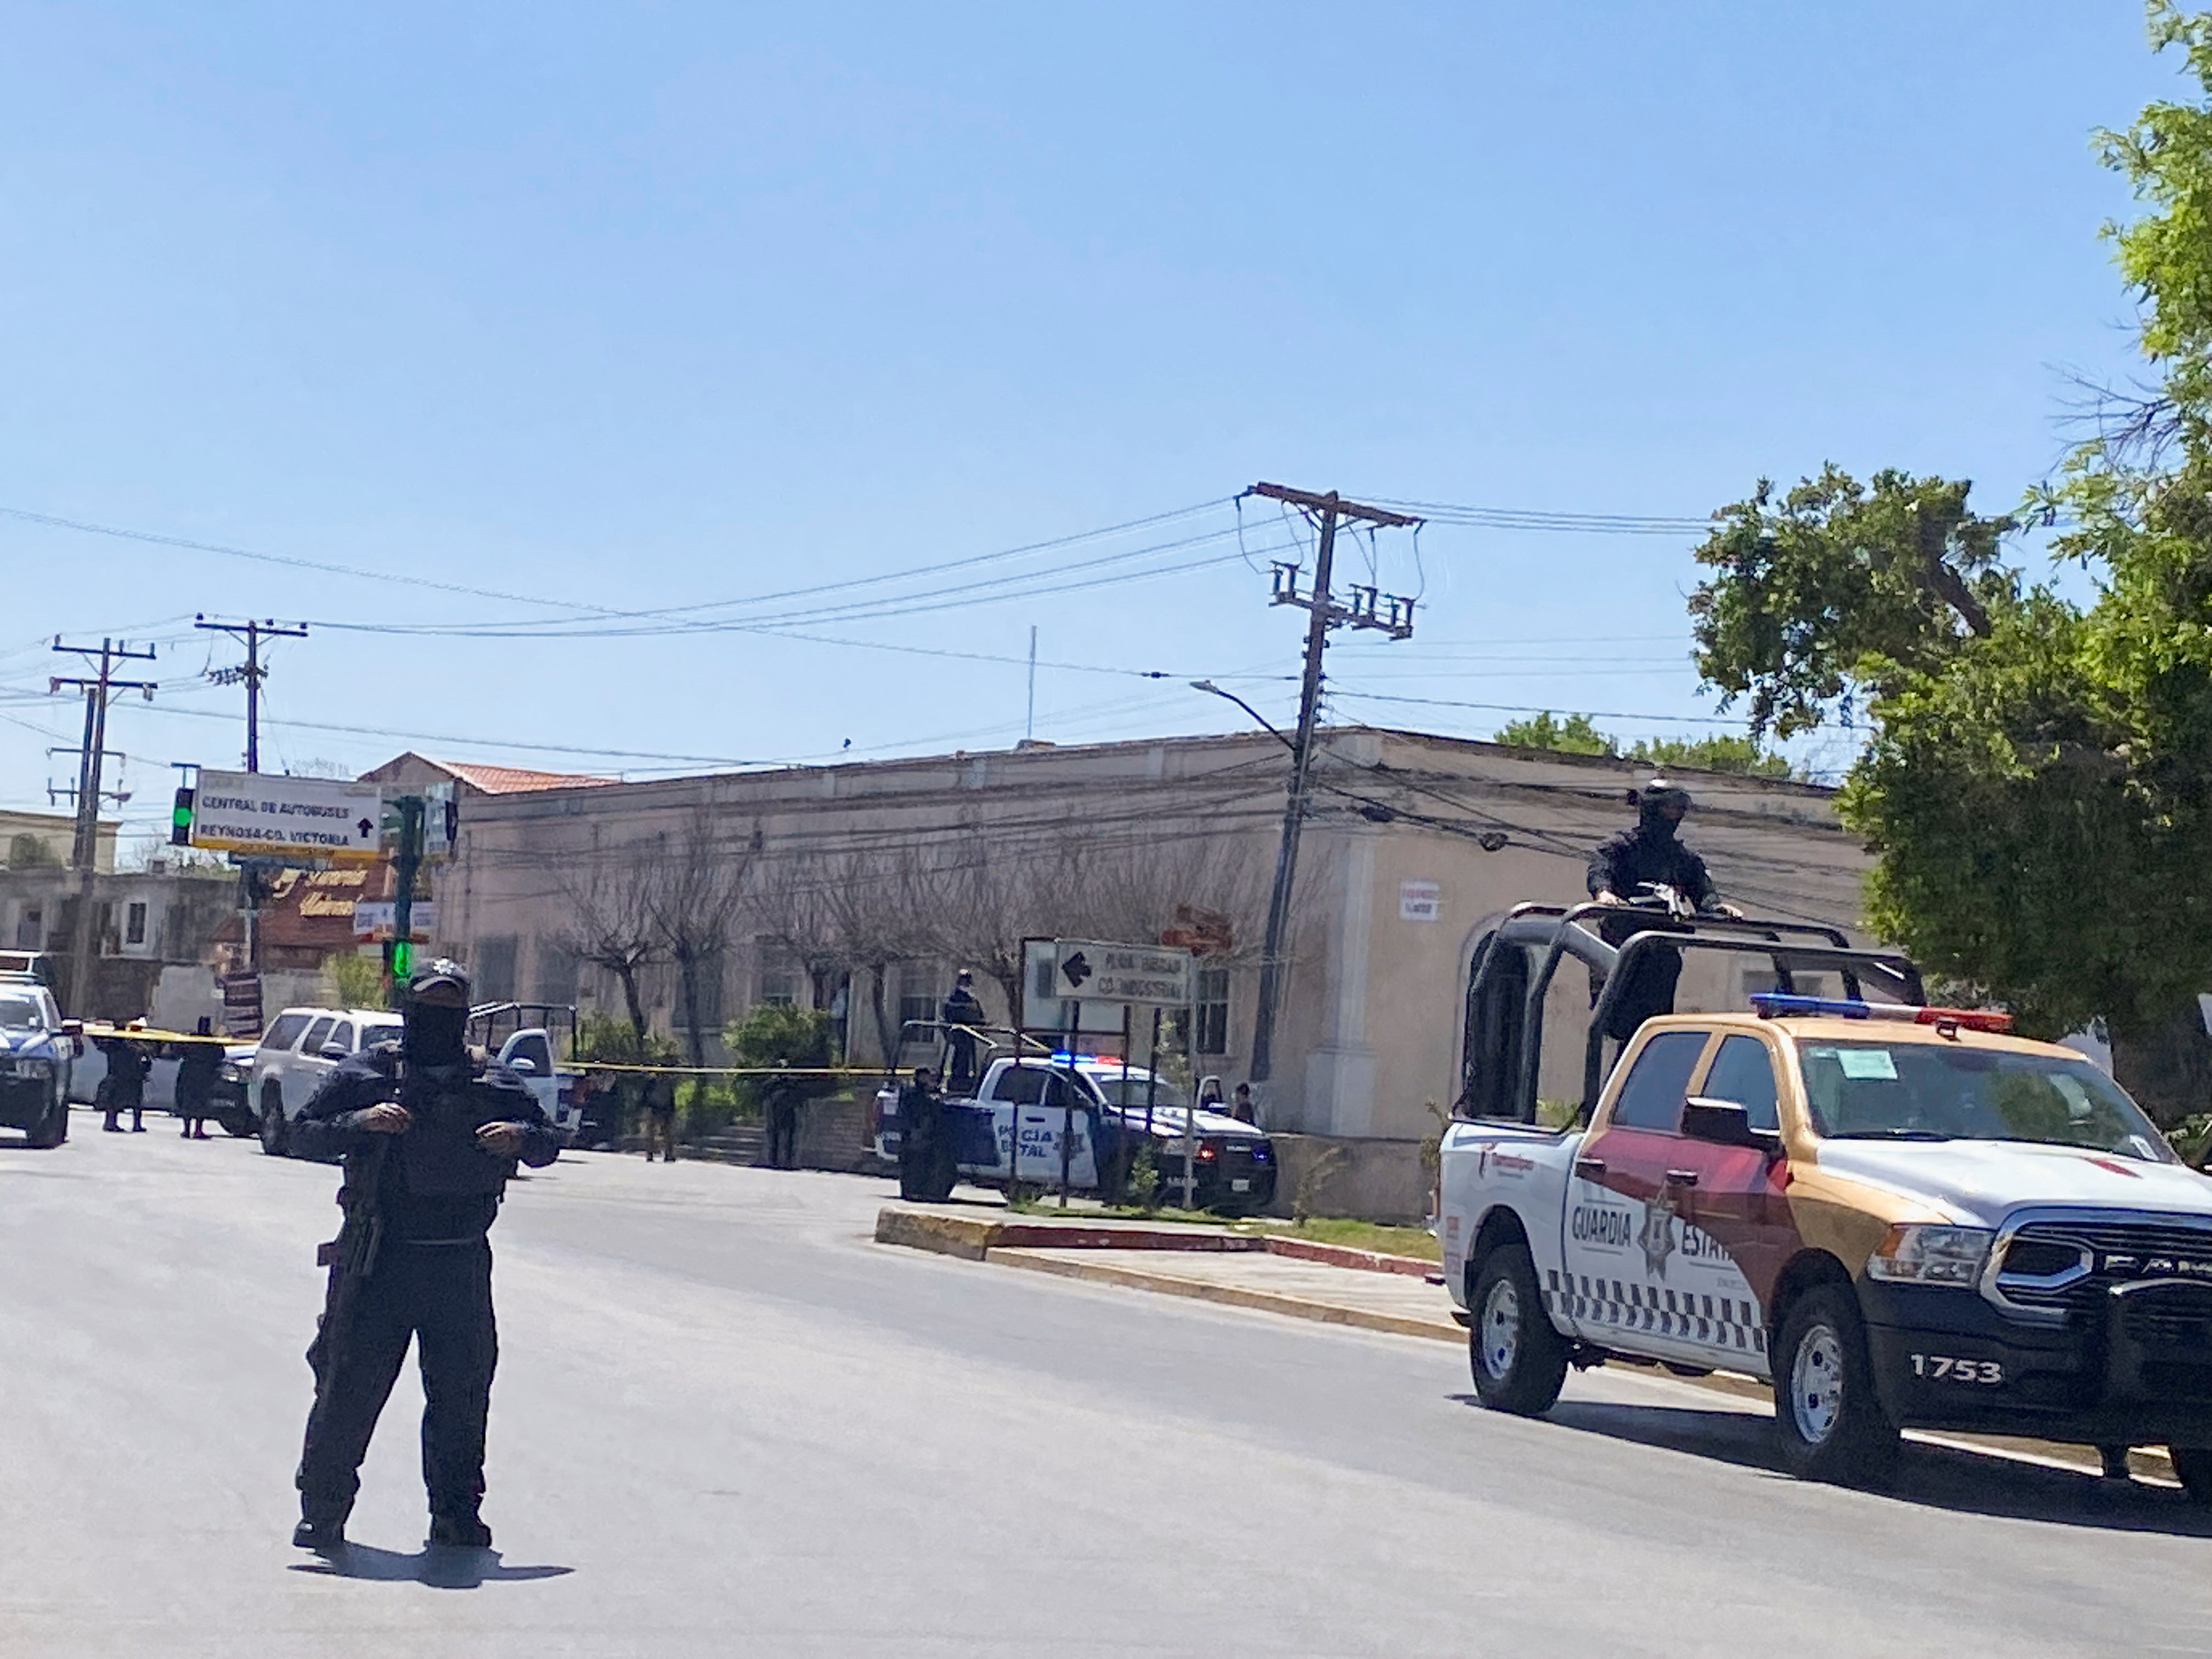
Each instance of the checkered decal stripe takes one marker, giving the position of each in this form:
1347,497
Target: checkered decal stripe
1717,1322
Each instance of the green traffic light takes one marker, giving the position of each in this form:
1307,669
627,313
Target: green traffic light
403,958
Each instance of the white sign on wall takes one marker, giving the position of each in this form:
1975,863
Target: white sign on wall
1420,900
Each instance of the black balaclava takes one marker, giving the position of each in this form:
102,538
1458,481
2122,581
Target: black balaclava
1652,819
435,1036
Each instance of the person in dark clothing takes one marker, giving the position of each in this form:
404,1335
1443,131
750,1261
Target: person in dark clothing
124,1088
197,1068
781,1096
430,1136
661,1118
1627,865
962,1008
921,1126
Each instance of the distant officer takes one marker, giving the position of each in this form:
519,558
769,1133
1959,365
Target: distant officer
962,1008
661,1118
197,1067
430,1135
1626,865
124,1088
921,1126
781,1096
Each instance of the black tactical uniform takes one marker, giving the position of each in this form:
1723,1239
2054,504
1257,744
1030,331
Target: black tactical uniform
960,1008
413,1260
1625,864
923,1138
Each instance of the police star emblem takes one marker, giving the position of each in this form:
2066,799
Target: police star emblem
1658,1235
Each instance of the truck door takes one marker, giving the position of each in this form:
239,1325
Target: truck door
1640,1275
536,1046
1736,1216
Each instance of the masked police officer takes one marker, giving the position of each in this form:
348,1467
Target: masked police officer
1626,866
430,1135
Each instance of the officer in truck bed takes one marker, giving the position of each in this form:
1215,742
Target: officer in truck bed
430,1134
1626,866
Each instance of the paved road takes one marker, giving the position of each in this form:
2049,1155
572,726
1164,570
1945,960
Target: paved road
726,1423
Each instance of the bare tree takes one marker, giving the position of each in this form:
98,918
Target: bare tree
693,903
879,903
610,894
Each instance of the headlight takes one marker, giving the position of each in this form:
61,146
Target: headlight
1928,1254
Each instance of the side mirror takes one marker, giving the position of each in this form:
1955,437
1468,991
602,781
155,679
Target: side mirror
1725,1123
521,1066
334,1051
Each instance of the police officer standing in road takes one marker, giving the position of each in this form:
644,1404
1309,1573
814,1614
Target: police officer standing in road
1626,865
921,1126
430,1136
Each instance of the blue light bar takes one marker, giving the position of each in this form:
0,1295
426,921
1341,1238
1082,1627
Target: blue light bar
1773,1004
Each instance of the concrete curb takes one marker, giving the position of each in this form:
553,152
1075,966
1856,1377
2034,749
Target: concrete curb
1343,1255
968,1236
1206,1290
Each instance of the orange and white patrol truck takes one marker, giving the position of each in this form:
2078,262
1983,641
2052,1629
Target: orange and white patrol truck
1901,1216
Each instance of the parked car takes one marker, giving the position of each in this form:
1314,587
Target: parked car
37,1052
301,1047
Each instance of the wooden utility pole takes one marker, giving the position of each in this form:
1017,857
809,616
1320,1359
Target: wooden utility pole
85,851
1388,613
251,673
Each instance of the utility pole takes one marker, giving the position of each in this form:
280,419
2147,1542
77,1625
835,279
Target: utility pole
250,672
85,851
1388,613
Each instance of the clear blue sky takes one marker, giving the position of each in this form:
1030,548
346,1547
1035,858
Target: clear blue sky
636,307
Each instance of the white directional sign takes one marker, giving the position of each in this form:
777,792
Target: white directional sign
277,817
376,921
1094,970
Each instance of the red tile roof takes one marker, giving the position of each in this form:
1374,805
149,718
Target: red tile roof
516,781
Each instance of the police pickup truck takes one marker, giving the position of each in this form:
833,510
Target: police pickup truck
1027,1102
1900,1216
37,1050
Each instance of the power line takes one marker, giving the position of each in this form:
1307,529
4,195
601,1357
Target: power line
1531,708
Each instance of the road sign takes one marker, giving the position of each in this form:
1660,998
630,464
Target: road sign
376,921
1148,975
273,816
1044,1008
441,819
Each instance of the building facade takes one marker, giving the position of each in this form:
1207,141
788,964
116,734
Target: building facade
862,887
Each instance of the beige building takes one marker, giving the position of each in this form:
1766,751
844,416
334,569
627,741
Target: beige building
35,840
887,875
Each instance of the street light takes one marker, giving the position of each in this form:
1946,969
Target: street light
1208,685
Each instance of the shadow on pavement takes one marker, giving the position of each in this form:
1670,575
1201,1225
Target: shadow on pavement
440,1569
1935,1477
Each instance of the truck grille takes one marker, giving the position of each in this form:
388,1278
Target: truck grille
2086,1259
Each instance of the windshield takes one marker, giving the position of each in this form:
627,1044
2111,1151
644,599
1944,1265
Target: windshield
1932,1091
1122,1091
22,1011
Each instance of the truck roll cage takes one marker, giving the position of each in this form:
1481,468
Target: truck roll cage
1561,931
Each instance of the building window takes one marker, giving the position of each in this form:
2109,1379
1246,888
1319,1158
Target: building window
495,966
134,925
779,978
917,997
30,928
556,972
1212,1011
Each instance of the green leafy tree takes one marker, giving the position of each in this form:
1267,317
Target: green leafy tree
774,1034
1574,735
1744,756
2037,786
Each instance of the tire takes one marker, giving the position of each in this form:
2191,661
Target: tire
1829,1419
239,1123
273,1135
2192,1466
52,1129
1519,1361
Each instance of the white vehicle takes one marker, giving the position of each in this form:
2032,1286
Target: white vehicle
1901,1216
301,1047
37,1052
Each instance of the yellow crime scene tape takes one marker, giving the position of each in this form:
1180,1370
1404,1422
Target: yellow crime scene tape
147,1034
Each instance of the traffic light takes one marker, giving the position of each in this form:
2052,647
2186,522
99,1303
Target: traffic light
402,960
180,820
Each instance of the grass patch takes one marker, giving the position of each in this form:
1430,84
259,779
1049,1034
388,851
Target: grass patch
1361,1236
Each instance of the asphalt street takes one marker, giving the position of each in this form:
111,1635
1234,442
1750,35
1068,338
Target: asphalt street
726,1422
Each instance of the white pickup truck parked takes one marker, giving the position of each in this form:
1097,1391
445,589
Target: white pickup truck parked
1026,1102
1899,1216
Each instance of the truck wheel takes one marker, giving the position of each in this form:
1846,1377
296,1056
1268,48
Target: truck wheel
2192,1465
1831,1421
239,1123
272,1123
1519,1361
